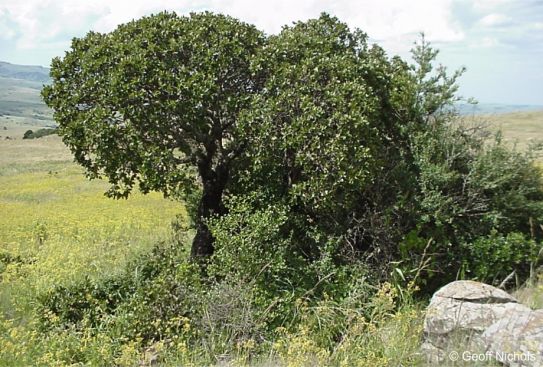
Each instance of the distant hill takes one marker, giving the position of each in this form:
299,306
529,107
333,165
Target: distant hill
495,108
24,72
20,100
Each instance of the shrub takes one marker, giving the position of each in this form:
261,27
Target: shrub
469,188
142,293
492,258
29,134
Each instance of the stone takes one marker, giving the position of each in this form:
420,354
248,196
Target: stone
517,339
460,313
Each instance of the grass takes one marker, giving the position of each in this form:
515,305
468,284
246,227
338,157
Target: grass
68,224
48,207
518,128
61,228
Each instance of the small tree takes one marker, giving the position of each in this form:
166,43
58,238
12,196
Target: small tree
155,104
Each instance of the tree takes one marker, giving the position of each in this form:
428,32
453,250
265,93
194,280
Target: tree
357,151
155,104
328,131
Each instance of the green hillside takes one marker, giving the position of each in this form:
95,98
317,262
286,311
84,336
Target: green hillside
21,105
32,73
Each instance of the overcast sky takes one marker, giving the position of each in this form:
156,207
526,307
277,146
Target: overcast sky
499,41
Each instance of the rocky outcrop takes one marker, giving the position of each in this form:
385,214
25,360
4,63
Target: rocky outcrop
466,318
517,337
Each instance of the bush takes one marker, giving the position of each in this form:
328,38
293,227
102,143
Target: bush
469,189
143,293
493,258
29,134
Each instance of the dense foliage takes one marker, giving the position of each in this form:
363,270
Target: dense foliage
156,103
330,181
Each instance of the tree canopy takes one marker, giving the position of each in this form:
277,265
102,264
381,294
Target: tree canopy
360,154
155,104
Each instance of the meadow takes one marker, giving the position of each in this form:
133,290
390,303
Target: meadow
519,128
56,227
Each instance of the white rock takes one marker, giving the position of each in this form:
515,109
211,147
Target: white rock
459,314
517,339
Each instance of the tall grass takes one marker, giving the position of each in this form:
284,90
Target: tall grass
57,228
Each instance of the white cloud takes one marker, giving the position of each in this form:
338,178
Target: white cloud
40,22
394,19
6,32
123,11
494,19
487,5
394,23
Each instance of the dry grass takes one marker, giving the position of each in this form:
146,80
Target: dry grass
24,153
520,128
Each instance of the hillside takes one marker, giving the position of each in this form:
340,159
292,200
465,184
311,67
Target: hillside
20,100
24,72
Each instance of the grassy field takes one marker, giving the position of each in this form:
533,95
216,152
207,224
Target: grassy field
49,207
57,227
518,128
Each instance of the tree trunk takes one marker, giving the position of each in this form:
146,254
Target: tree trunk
214,183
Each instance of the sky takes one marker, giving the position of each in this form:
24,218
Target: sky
500,42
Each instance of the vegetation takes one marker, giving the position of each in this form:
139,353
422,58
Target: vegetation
40,133
329,189
155,102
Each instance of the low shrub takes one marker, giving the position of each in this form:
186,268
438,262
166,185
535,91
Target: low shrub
40,133
146,281
493,258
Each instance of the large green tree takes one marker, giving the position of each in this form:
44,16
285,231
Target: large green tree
329,130
155,104
355,147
